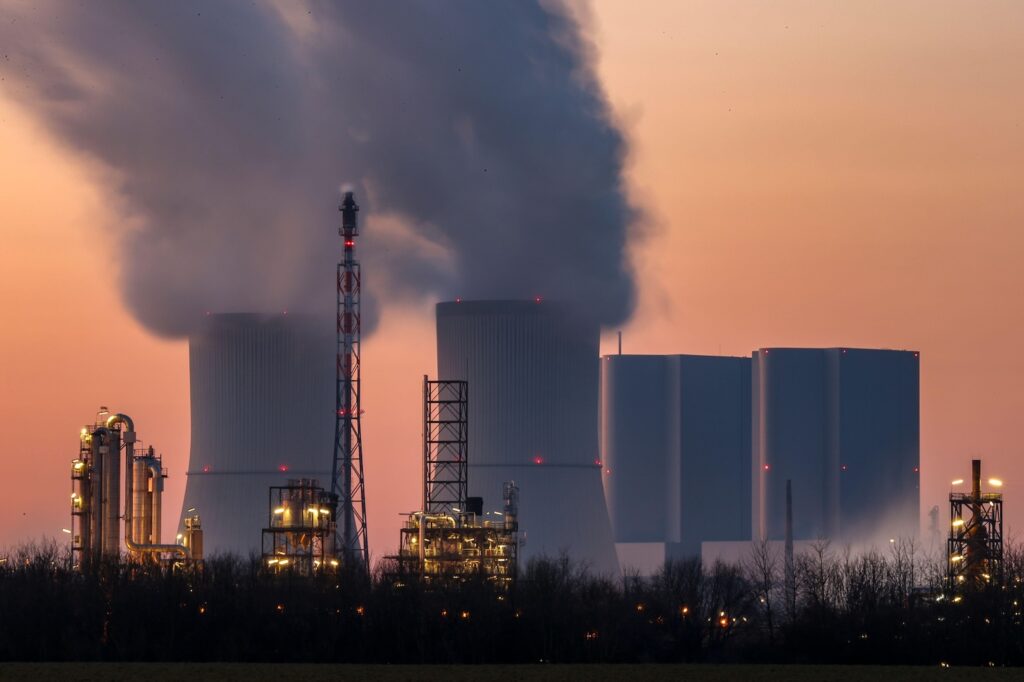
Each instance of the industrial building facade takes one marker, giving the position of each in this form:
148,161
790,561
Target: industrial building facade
533,369
262,391
843,425
675,435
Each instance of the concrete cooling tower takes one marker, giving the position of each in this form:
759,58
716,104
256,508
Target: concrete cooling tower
262,402
532,369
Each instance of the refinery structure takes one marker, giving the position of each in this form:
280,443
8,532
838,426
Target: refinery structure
452,537
101,518
975,545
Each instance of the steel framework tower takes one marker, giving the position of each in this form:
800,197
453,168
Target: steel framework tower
347,469
975,544
445,446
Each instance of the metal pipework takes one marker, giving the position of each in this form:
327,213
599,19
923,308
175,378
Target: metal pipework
129,525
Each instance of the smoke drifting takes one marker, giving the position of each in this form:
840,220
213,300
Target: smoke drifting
475,133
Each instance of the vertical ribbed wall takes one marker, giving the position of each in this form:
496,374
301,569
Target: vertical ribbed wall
262,399
533,385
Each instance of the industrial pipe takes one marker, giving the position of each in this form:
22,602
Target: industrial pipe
129,541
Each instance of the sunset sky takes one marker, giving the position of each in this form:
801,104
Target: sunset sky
812,173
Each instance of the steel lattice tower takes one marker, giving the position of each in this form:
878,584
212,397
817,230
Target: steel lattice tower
445,446
347,481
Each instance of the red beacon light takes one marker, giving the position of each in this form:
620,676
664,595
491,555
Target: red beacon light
282,467
538,299
538,459
767,468
206,468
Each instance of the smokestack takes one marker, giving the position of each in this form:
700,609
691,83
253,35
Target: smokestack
976,479
790,572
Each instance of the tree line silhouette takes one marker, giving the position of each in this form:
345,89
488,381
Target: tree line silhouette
880,607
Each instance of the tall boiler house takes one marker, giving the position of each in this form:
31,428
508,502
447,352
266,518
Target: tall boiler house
843,424
262,403
533,368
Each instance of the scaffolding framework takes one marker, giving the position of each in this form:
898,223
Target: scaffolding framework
445,446
347,482
299,536
975,545
452,538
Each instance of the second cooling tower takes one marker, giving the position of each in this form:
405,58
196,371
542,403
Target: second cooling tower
532,369
262,402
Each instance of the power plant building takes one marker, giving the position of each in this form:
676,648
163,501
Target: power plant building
675,445
533,371
843,424
262,405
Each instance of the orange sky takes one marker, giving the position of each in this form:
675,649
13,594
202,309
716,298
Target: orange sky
816,174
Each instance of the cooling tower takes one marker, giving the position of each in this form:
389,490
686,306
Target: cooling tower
532,369
262,402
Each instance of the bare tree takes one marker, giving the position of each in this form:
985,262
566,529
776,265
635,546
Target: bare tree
762,569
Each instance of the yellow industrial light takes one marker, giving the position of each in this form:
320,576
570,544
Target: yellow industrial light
279,510
955,558
995,482
958,481
957,523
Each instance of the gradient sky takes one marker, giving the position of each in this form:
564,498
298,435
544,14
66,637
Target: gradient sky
816,173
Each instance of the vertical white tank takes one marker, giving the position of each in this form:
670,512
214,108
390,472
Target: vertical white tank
532,368
262,404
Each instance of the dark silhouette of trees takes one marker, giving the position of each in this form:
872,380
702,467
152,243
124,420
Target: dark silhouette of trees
882,607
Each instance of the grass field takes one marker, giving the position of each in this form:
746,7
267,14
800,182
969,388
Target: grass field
253,672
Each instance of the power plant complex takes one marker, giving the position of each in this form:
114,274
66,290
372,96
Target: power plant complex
533,444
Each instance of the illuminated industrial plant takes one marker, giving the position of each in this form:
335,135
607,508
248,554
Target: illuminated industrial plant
96,481
299,537
975,545
451,537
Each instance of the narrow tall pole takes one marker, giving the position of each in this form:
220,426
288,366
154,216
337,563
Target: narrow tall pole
790,576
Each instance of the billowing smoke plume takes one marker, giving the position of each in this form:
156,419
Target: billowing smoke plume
477,138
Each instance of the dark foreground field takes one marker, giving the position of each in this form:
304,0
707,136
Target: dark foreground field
199,672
